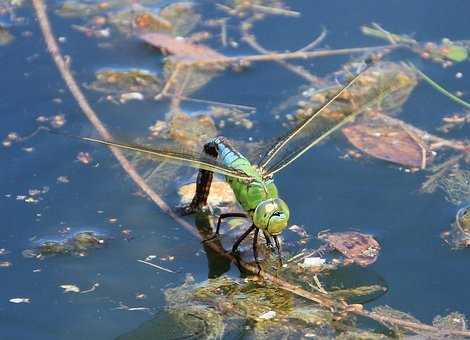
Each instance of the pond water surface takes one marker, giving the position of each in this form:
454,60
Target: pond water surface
424,275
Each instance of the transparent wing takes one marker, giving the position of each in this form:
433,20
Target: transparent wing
173,154
318,126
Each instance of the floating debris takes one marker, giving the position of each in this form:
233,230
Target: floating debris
191,131
234,116
80,9
456,185
176,19
358,248
20,300
312,262
5,264
392,143
181,49
257,8
63,179
123,82
458,236
56,121
383,87
453,321
125,97
5,36
84,157
447,50
363,291
70,288
77,244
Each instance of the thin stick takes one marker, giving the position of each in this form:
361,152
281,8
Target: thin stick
157,266
276,10
299,70
421,146
286,56
127,166
315,42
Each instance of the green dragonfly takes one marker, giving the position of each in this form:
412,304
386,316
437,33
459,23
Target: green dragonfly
253,185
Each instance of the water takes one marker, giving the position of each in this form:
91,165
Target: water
424,275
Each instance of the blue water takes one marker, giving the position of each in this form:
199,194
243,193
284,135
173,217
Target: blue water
425,277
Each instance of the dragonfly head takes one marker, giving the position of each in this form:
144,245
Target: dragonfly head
272,216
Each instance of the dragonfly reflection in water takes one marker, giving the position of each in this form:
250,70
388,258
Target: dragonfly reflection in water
253,185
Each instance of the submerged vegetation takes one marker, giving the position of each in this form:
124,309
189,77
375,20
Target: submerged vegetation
307,296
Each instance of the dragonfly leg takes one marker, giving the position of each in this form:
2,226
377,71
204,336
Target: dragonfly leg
255,249
241,238
227,215
203,182
221,217
269,244
278,247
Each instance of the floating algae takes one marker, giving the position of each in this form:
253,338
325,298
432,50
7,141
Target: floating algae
177,19
386,84
451,322
222,304
456,186
77,244
227,307
459,234
125,81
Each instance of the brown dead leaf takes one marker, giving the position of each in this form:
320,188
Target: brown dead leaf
181,49
391,143
361,249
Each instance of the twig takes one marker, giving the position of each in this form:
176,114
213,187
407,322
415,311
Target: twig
223,33
319,285
127,166
250,39
156,266
286,56
275,10
92,289
386,33
423,148
315,42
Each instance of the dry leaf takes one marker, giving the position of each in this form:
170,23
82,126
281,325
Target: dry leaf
388,142
362,249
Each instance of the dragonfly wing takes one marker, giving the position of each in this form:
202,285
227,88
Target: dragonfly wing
172,154
310,132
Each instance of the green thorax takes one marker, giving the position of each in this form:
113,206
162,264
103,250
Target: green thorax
249,193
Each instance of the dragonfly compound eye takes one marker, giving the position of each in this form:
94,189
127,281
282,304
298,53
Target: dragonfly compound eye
272,216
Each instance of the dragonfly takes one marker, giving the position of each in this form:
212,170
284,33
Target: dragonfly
252,184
